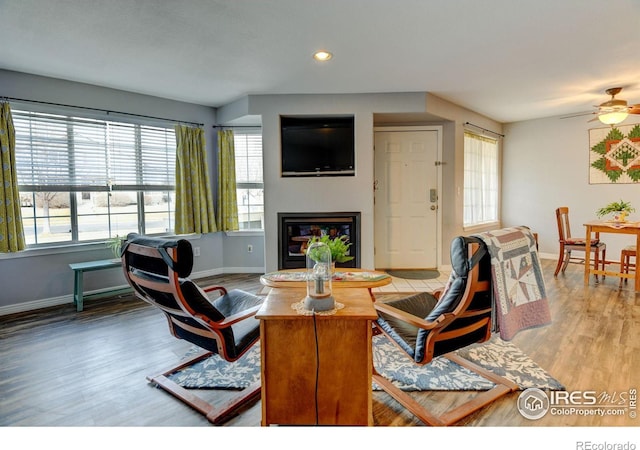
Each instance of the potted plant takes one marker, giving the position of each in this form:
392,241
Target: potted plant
620,210
339,247
115,244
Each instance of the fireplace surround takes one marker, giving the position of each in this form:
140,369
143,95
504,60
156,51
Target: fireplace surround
295,230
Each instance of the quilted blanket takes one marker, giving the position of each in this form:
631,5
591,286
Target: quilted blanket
519,291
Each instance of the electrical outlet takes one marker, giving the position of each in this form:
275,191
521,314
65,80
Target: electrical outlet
249,248
196,251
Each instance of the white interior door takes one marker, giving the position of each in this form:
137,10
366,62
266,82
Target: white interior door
406,199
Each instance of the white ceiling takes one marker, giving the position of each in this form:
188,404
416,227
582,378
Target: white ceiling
511,60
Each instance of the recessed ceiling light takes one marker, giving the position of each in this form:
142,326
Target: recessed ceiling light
322,55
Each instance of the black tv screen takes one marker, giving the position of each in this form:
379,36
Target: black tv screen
317,146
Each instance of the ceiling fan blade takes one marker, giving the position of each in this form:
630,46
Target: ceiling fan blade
634,109
577,115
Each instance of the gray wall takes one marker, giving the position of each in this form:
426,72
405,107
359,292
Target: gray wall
222,252
339,194
36,278
546,165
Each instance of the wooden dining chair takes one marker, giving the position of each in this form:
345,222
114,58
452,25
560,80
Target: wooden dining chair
570,244
625,260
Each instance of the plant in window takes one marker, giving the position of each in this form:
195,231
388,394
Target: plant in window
339,247
115,244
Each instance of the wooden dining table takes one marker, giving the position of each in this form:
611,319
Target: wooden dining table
593,230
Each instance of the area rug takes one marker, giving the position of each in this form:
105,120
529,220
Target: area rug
414,274
441,374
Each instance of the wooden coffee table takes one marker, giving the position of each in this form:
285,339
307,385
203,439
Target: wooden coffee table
316,369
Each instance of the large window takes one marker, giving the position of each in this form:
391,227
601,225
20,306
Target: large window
83,180
249,181
481,180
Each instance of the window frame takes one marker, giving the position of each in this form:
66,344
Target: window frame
494,184
239,134
145,144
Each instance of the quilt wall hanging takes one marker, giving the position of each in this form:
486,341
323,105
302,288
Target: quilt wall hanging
614,155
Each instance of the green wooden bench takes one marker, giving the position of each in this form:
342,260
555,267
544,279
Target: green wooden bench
78,278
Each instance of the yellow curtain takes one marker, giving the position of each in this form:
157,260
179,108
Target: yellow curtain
11,231
227,200
194,200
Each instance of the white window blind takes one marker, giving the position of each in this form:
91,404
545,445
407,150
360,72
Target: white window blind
248,155
61,153
481,180
249,178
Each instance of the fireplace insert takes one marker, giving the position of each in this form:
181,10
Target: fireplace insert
295,230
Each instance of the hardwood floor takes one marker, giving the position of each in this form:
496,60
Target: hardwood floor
59,367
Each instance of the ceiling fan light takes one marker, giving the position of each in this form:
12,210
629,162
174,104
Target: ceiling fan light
613,118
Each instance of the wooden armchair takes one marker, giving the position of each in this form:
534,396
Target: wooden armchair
428,325
217,320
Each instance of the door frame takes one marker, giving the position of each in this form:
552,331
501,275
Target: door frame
439,163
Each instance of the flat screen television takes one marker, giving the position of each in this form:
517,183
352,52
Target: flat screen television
317,146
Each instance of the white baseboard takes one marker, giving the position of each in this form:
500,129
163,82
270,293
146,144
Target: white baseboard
244,270
53,301
36,304
66,299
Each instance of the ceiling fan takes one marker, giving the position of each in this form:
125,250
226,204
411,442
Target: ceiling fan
613,111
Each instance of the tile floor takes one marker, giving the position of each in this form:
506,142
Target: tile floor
405,285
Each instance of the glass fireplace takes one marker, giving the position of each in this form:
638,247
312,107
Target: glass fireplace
295,230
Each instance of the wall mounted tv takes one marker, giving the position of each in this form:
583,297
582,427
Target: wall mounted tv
317,146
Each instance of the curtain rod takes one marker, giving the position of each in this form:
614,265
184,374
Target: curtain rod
237,126
484,129
101,110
